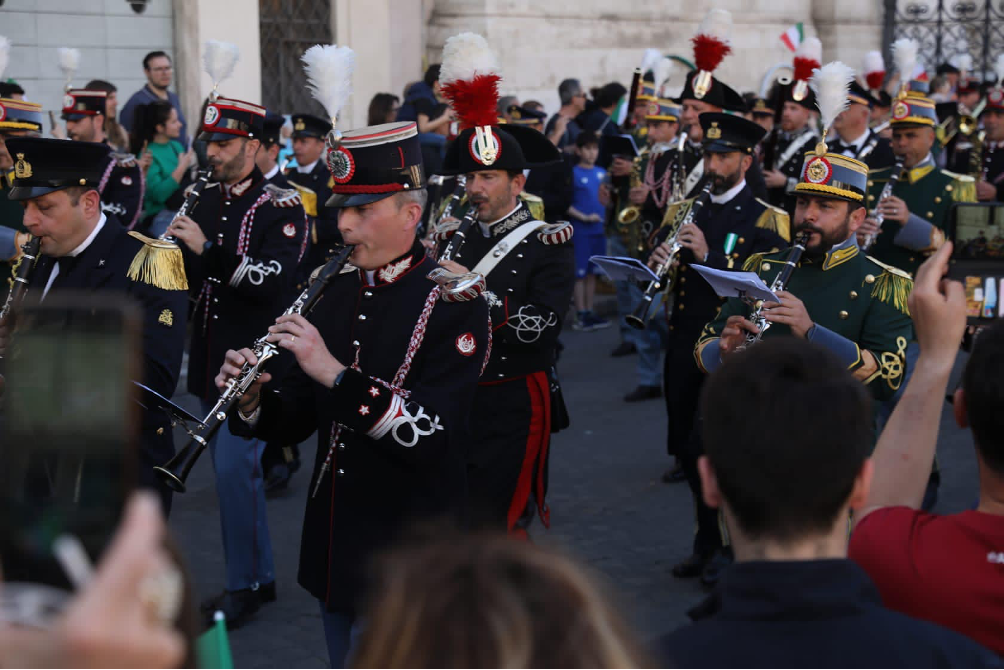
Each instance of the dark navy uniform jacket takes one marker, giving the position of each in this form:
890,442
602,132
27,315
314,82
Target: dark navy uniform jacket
810,614
324,235
121,188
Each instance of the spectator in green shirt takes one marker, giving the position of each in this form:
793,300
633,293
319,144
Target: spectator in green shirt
156,131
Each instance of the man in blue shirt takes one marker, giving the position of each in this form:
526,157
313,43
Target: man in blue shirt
159,70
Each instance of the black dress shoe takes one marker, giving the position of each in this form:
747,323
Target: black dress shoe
716,567
266,594
623,349
237,606
644,393
674,474
690,567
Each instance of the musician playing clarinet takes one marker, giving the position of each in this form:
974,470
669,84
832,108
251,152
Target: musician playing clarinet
386,371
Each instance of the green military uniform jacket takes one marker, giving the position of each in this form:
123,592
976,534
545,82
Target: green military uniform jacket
928,193
858,305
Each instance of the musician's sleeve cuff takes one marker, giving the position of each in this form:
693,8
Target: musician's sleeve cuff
364,404
915,235
250,419
8,244
846,350
709,356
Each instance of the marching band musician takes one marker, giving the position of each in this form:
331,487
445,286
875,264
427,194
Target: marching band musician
724,232
241,244
990,175
386,372
530,273
17,119
855,138
85,248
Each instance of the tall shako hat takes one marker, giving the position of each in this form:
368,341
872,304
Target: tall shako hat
227,118
824,174
911,107
995,96
660,107
20,115
43,165
648,85
711,46
469,79
808,58
79,103
370,164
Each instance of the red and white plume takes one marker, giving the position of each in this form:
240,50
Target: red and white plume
469,78
874,69
712,40
808,57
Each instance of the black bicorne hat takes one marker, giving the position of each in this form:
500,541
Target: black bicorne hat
371,163
43,165
307,125
808,101
725,133
719,95
516,148
227,118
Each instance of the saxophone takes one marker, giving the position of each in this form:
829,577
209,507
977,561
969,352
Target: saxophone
897,172
630,214
779,284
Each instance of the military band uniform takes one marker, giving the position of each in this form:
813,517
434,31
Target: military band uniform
17,118
791,147
871,148
991,165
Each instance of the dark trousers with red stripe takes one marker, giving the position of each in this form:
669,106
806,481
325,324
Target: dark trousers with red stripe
507,455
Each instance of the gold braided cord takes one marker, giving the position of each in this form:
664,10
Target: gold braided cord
894,290
832,190
18,125
922,120
753,262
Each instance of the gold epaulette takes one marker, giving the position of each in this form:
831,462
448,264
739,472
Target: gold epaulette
892,287
308,199
963,187
158,263
534,204
774,219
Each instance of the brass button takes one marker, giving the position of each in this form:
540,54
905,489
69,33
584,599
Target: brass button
682,293
672,327
683,280
871,197
765,267
930,215
735,255
949,188
911,259
844,314
160,431
869,279
854,295
681,306
742,240
937,198
871,183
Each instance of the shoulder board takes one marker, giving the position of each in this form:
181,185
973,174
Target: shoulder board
124,159
774,219
959,177
283,197
534,204
158,263
892,286
556,233
445,230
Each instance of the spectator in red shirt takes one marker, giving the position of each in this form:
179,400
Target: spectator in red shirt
948,569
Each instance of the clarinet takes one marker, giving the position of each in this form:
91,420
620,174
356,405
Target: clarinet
779,284
458,237
455,197
680,178
897,172
639,318
175,472
201,180
22,277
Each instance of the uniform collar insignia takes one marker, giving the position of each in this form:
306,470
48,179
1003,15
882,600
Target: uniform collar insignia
395,269
519,215
916,174
241,187
840,254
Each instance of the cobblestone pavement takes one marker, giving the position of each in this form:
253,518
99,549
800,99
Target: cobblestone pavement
608,508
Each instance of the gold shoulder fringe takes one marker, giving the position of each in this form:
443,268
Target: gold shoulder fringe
964,187
774,219
158,263
892,287
534,204
753,262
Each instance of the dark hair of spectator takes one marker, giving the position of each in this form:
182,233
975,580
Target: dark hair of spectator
489,602
609,94
9,88
100,85
146,120
983,387
568,89
587,138
431,75
381,106
153,54
786,429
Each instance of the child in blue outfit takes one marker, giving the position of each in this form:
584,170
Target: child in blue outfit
587,214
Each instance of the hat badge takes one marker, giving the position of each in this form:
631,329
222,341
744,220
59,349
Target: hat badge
818,171
22,168
901,110
300,125
653,109
487,145
714,132
212,115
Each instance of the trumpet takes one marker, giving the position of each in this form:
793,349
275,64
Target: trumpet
639,318
174,473
779,284
897,172
630,214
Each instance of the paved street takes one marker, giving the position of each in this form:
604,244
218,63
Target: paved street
608,508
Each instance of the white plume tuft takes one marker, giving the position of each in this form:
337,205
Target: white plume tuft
465,56
650,60
4,54
873,62
329,70
904,55
965,63
663,72
999,69
219,60
717,23
69,61
810,48
830,84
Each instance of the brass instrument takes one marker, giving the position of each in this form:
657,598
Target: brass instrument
779,284
897,172
639,318
174,473
23,271
630,214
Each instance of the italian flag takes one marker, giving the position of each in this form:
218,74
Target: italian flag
619,115
792,37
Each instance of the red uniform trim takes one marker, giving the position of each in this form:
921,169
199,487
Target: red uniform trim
537,441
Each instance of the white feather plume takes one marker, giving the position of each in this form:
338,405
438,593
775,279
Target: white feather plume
904,56
810,48
964,62
873,62
999,69
717,23
466,55
650,60
219,60
4,54
830,84
69,61
329,70
663,72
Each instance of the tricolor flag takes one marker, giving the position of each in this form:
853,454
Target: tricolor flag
792,37
619,115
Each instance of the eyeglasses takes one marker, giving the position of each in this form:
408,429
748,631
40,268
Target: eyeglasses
161,69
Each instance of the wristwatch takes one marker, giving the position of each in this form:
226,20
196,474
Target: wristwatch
207,246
